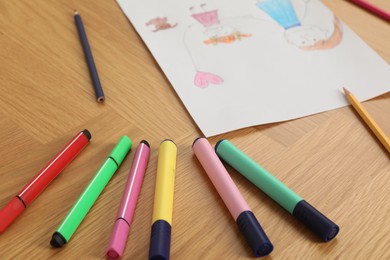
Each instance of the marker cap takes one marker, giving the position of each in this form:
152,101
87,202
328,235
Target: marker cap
121,149
254,234
58,240
87,134
316,221
160,240
10,212
118,239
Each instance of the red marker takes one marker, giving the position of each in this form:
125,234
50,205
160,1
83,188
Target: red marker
17,205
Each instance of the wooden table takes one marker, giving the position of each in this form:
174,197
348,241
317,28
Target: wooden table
330,159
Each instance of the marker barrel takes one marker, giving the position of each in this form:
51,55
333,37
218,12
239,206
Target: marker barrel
257,175
239,209
165,182
163,201
277,190
220,178
91,193
54,167
129,201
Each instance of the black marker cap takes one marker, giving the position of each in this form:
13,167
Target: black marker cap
57,240
160,240
254,234
316,221
145,143
87,134
168,140
217,144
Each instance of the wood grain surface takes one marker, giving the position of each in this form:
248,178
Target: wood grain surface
330,159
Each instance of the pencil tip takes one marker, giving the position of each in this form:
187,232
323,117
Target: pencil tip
346,91
76,12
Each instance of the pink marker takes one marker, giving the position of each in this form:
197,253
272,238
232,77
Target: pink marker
129,200
232,198
373,9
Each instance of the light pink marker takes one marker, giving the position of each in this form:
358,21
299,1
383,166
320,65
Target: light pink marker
231,196
129,200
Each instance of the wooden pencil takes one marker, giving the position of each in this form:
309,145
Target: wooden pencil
363,113
88,56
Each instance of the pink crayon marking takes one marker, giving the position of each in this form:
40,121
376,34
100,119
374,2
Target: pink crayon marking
207,19
203,79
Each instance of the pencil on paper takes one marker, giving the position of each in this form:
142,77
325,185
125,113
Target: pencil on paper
363,113
88,56
373,9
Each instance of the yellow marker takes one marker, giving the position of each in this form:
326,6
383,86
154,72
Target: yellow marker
163,201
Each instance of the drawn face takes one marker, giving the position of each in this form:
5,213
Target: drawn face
304,36
219,31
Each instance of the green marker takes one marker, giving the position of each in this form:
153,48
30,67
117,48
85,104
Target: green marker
278,191
80,209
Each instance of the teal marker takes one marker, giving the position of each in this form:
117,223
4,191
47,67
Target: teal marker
277,190
86,200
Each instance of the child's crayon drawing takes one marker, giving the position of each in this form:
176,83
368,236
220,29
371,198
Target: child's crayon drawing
306,37
241,63
160,24
216,32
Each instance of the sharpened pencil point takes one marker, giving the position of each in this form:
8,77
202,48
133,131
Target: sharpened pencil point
346,91
76,12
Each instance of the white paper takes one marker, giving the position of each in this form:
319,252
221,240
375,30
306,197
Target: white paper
240,63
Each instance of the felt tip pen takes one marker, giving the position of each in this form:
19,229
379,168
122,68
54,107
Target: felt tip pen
160,239
86,200
129,201
278,191
231,196
31,191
